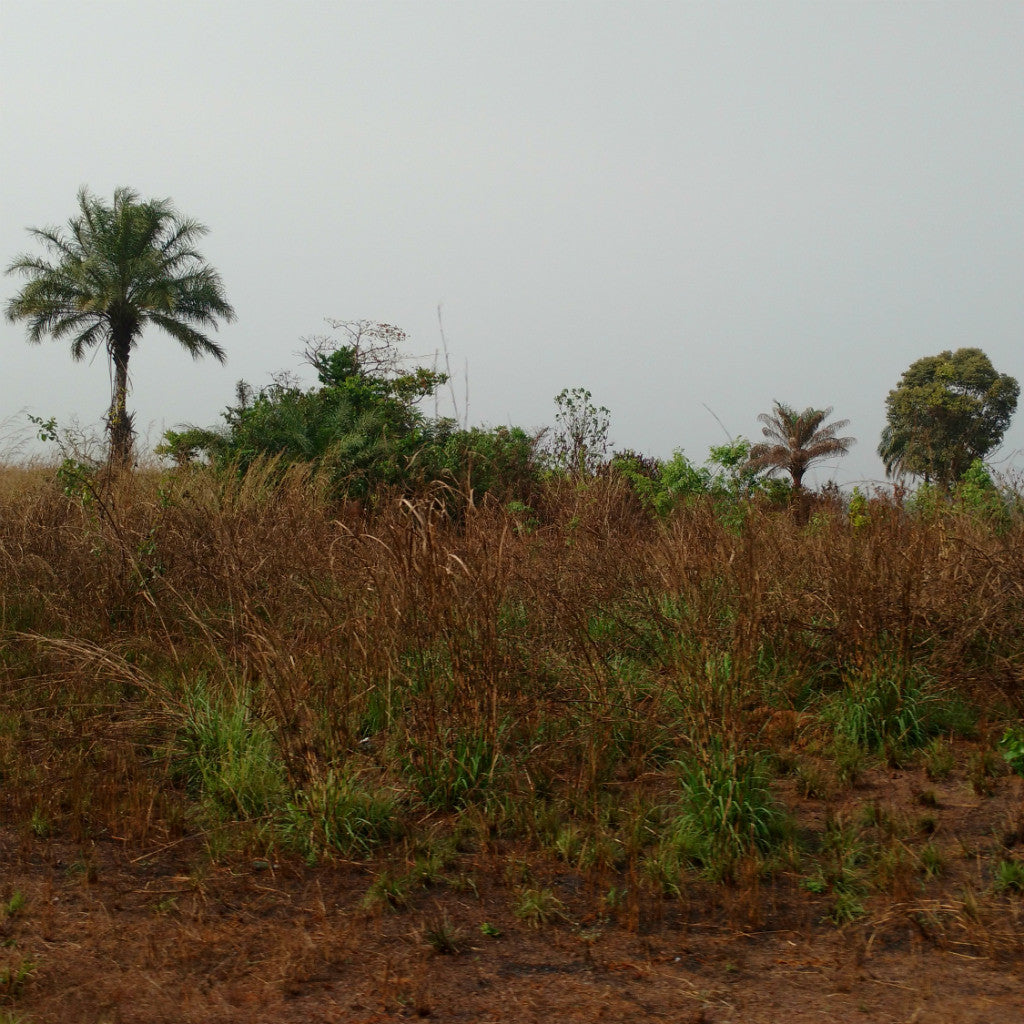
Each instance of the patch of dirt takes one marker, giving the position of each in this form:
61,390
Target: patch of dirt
108,934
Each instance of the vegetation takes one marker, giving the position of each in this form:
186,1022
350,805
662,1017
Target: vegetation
579,444
947,412
118,269
345,638
797,440
361,426
266,669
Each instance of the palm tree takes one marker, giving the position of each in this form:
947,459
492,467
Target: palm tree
118,269
795,440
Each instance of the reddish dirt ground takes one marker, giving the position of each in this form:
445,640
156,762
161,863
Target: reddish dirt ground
113,936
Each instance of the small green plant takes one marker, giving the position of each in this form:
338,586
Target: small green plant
858,511
981,771
846,907
443,937
14,905
1009,876
39,824
932,861
849,759
1012,748
228,755
615,898
812,783
15,976
664,866
339,814
388,891
938,759
538,907
526,522
728,811
453,773
491,931
846,855
570,844
816,883
886,706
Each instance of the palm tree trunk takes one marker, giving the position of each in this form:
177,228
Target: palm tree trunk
119,423
800,498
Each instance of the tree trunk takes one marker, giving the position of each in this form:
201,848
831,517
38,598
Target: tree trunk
119,423
800,499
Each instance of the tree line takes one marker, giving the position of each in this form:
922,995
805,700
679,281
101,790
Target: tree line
121,267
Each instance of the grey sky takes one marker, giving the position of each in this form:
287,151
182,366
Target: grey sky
670,204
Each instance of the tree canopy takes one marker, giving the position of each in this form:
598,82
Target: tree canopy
116,270
947,411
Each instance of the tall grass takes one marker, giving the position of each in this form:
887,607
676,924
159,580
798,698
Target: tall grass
335,674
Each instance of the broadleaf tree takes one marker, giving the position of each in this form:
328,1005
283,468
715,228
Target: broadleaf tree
947,411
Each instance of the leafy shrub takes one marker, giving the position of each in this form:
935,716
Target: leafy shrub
1012,747
502,461
360,425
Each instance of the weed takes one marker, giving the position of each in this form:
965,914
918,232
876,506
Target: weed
39,824
982,769
15,975
228,756
846,907
388,891
569,844
849,758
14,905
443,937
458,770
887,705
938,759
932,861
538,907
339,814
1009,876
727,810
812,783
1012,748
664,866
816,883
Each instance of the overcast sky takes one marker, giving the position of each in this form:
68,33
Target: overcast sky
681,207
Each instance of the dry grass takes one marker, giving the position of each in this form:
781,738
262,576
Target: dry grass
244,667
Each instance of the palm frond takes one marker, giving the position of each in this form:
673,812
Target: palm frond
794,440
115,268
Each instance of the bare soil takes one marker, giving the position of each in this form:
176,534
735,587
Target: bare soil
111,933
